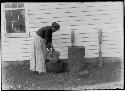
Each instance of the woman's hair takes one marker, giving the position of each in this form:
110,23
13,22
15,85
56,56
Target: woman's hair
55,25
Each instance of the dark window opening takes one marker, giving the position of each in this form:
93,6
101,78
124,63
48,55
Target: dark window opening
15,19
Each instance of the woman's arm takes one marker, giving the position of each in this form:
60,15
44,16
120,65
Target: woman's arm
48,38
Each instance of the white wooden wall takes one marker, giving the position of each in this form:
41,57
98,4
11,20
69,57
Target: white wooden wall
85,19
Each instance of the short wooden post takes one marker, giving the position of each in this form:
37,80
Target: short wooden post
75,57
100,52
72,38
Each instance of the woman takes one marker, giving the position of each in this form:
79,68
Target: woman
41,41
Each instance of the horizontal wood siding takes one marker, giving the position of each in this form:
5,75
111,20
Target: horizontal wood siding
85,19
14,49
112,45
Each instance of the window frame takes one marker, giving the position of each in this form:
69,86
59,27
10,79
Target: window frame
17,35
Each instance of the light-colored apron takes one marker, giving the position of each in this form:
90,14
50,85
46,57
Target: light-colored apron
38,56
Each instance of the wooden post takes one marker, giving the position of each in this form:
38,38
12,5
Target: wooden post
72,38
100,52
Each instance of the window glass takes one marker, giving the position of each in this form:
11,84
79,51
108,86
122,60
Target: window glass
7,5
20,5
9,27
19,27
15,19
13,5
15,15
8,15
21,14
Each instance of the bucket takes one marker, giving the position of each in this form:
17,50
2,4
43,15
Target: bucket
57,67
53,56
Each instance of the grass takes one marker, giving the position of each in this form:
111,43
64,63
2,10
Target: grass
19,77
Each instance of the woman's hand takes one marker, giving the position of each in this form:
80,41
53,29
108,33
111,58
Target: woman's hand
52,46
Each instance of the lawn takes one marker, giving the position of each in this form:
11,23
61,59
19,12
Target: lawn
19,77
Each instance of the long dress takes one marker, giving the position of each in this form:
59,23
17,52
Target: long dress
37,61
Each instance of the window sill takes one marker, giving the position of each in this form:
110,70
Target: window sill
17,35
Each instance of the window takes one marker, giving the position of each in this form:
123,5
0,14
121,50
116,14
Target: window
15,18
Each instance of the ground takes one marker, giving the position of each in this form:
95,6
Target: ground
19,77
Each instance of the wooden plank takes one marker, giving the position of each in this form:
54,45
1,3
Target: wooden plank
112,37
38,6
33,24
12,45
112,49
118,47
39,15
91,50
9,58
61,36
86,43
111,29
112,44
61,45
87,39
113,41
13,40
24,58
118,42
14,56
112,55
83,39
62,39
37,25
113,32
25,54
87,32
90,56
16,45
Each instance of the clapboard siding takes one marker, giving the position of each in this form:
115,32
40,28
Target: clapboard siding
16,49
112,44
85,19
81,39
